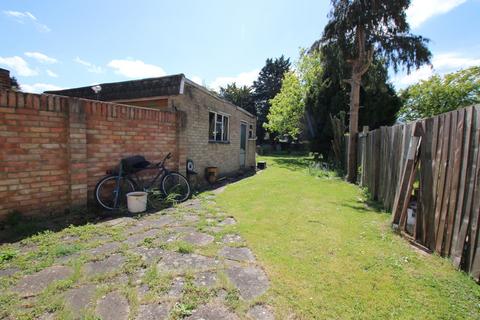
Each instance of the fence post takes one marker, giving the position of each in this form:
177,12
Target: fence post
363,145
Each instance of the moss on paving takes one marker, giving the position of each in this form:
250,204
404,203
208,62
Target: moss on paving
330,256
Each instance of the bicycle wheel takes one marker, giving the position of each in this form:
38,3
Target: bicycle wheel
105,191
176,187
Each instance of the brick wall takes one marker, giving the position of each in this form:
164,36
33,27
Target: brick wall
54,149
196,103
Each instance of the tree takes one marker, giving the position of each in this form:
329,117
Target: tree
266,87
240,96
362,29
328,95
287,108
441,94
14,84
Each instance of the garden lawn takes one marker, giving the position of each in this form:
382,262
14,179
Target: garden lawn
330,256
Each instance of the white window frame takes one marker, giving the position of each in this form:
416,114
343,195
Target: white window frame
251,132
223,115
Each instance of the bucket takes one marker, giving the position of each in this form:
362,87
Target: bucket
137,201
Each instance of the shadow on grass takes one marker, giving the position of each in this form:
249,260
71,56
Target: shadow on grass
291,162
366,206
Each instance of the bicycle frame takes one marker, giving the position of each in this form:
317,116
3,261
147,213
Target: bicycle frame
162,171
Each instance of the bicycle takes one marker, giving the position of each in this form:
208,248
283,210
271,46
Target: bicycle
111,191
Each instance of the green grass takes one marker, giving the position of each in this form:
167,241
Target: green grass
330,256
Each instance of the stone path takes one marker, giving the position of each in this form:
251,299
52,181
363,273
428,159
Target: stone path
184,262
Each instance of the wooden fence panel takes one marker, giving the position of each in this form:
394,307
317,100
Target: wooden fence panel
448,204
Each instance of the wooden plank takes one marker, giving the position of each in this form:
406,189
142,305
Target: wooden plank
475,244
420,221
426,177
443,187
437,165
475,192
384,180
392,186
404,191
413,157
376,155
456,165
460,228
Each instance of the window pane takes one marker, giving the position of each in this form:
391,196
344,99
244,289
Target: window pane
218,133
211,127
225,128
219,117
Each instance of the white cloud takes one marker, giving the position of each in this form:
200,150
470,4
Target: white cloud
135,68
442,63
90,66
422,10
39,87
197,80
26,17
453,61
40,57
51,73
243,79
415,76
18,65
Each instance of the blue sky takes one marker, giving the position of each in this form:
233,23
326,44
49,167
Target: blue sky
60,44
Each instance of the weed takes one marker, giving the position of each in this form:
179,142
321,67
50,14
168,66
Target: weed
185,247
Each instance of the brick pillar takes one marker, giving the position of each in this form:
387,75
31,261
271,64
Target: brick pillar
181,137
77,151
5,82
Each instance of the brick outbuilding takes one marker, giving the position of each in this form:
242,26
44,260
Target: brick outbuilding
214,132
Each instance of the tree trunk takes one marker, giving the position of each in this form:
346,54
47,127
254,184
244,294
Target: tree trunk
353,128
359,67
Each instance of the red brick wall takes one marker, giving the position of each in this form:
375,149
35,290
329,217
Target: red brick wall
132,131
54,149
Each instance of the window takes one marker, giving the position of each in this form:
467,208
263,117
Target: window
250,131
218,127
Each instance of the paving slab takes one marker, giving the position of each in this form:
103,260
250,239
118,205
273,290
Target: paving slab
32,285
198,238
176,289
189,218
105,248
110,264
232,238
149,255
180,262
183,229
213,311
193,204
7,272
237,254
161,221
113,306
206,279
79,299
228,222
119,222
137,238
260,312
213,229
139,226
250,281
154,311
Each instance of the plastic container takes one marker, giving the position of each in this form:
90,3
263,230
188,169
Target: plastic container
137,201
